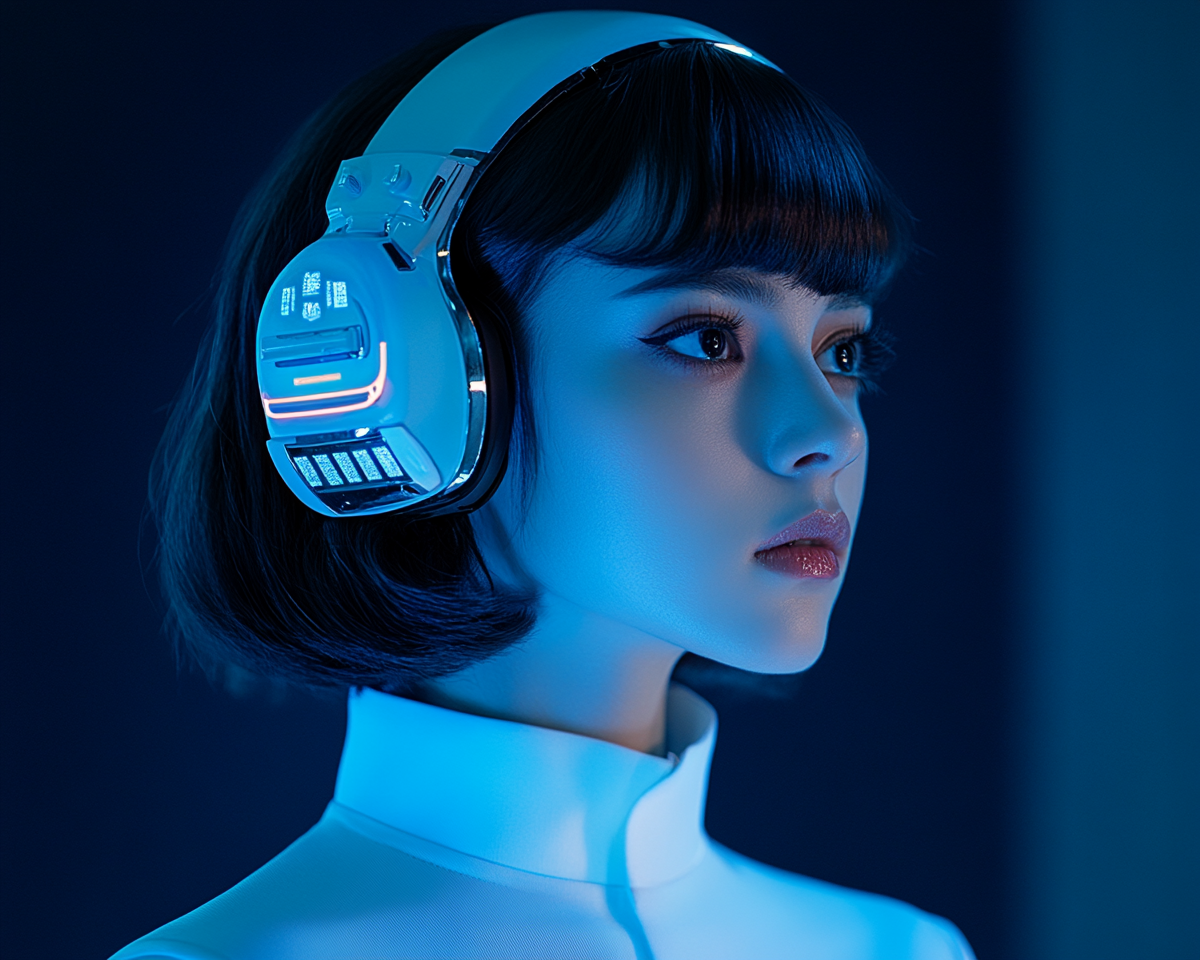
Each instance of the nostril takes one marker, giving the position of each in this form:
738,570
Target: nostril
812,460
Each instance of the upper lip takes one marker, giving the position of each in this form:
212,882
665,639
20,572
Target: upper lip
830,530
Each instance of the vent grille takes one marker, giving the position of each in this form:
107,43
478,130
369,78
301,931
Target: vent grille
352,474
365,462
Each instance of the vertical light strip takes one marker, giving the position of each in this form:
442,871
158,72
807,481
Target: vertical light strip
387,461
347,466
328,469
304,465
368,465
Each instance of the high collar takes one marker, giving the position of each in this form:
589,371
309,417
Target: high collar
541,800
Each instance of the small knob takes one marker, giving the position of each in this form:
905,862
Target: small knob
349,181
398,181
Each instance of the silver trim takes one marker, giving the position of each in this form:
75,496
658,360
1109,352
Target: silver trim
468,336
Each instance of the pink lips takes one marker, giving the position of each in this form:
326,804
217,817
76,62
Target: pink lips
808,548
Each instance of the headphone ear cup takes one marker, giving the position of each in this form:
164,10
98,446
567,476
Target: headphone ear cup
382,390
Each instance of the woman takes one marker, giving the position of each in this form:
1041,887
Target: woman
670,265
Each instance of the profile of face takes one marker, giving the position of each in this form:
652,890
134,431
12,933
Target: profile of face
701,458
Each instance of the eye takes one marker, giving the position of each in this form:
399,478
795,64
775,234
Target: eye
842,358
700,339
861,354
711,343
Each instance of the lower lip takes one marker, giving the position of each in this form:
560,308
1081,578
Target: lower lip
802,561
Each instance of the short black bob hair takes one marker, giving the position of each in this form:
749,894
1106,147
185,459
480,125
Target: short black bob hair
731,164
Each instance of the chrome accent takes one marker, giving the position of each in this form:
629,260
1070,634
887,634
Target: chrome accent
457,194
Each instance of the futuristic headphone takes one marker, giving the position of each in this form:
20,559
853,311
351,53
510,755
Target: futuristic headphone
381,392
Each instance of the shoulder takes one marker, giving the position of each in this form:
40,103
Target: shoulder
354,887
731,900
296,905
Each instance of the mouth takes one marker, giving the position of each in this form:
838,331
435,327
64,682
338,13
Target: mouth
808,549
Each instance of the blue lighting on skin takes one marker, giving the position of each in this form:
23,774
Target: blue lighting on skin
669,469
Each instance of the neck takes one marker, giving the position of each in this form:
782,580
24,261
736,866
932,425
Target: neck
577,671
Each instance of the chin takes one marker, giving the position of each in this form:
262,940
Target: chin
794,657
784,651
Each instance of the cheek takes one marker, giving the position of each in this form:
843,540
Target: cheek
631,484
647,510
620,488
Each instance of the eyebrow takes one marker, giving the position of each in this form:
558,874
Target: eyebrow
751,287
745,285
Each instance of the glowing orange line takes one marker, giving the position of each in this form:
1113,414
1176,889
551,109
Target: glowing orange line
373,390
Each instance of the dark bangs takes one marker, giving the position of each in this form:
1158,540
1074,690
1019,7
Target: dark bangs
694,158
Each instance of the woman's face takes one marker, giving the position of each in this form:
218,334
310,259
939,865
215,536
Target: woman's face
684,425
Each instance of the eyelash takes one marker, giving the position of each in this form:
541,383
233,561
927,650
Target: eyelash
693,323
875,352
875,347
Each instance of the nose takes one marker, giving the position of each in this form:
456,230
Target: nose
805,426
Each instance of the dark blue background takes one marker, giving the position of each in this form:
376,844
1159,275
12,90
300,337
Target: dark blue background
133,793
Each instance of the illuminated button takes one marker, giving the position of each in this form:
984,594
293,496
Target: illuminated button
368,465
304,465
328,469
387,461
347,465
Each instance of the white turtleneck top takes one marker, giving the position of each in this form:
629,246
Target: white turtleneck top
457,836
